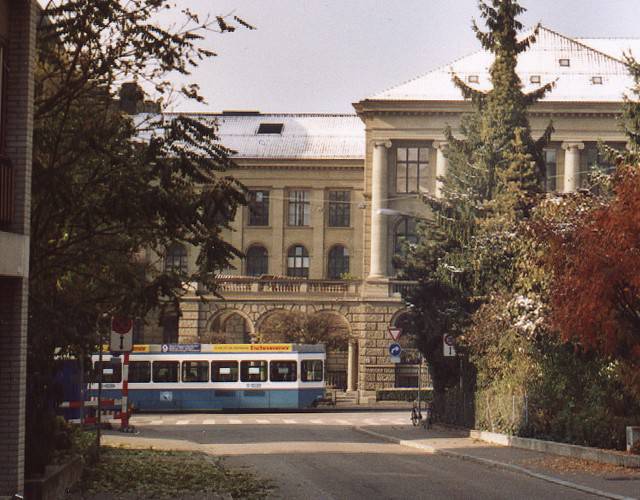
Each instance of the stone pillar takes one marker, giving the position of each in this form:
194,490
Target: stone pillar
442,165
352,366
571,165
379,183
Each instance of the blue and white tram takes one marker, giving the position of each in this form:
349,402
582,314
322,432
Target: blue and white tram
202,377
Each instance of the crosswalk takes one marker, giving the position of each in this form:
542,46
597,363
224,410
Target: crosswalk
208,420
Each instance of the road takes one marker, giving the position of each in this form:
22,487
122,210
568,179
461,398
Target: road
321,456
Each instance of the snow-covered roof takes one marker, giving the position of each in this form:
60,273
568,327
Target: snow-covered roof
574,83
302,136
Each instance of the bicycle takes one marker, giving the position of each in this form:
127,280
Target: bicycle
416,415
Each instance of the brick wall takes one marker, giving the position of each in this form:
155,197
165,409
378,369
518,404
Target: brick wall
13,291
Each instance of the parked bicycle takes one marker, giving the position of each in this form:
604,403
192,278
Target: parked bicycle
418,418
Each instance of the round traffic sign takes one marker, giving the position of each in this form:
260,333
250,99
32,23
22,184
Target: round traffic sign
395,349
449,340
121,325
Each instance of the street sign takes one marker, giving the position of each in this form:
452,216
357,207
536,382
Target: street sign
448,344
394,352
121,334
395,332
395,349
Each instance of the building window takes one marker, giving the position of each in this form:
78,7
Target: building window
551,170
298,262
170,327
270,128
411,169
338,262
592,161
299,209
176,259
259,208
339,208
473,79
535,79
596,80
257,261
405,232
565,63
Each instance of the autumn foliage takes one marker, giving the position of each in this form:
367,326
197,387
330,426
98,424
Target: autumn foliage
594,254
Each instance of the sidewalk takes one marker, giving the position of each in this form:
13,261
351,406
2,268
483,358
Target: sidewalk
603,480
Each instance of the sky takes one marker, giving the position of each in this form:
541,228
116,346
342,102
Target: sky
321,56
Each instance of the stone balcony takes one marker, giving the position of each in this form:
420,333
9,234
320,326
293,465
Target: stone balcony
252,288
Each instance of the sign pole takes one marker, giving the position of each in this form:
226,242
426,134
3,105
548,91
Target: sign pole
419,384
124,407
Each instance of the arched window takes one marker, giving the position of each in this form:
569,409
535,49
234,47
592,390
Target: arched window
298,262
405,232
176,259
257,261
338,262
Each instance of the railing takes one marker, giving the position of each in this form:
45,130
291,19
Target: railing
280,285
7,188
337,380
397,287
230,285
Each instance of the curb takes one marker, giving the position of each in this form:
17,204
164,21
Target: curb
491,463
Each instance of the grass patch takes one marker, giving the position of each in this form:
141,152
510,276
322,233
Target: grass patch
166,474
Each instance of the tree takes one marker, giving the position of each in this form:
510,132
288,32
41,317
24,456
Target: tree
495,177
593,254
111,191
303,328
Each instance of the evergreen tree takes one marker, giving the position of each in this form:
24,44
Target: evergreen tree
496,173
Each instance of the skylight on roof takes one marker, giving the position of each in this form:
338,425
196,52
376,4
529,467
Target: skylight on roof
473,79
596,80
565,63
270,128
535,79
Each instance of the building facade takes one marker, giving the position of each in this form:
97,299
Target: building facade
334,196
17,57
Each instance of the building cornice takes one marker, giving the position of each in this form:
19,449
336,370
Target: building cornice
300,164
369,108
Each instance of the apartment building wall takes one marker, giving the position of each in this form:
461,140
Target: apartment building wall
17,35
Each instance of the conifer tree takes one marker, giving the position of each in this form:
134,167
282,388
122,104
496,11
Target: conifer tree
495,176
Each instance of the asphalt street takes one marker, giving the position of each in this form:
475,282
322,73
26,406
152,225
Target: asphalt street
321,456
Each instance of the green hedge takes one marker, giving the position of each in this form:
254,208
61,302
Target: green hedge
403,394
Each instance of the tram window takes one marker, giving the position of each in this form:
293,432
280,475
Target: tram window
139,372
165,371
253,371
111,371
283,371
224,371
195,371
311,370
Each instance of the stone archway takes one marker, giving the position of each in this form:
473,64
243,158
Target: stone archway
411,372
229,326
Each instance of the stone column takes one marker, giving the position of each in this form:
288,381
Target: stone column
571,165
442,165
352,366
379,183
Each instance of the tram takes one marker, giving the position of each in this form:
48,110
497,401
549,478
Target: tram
204,377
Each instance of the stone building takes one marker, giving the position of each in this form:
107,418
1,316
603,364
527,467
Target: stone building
17,54
333,196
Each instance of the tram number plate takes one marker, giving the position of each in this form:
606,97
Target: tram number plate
254,386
